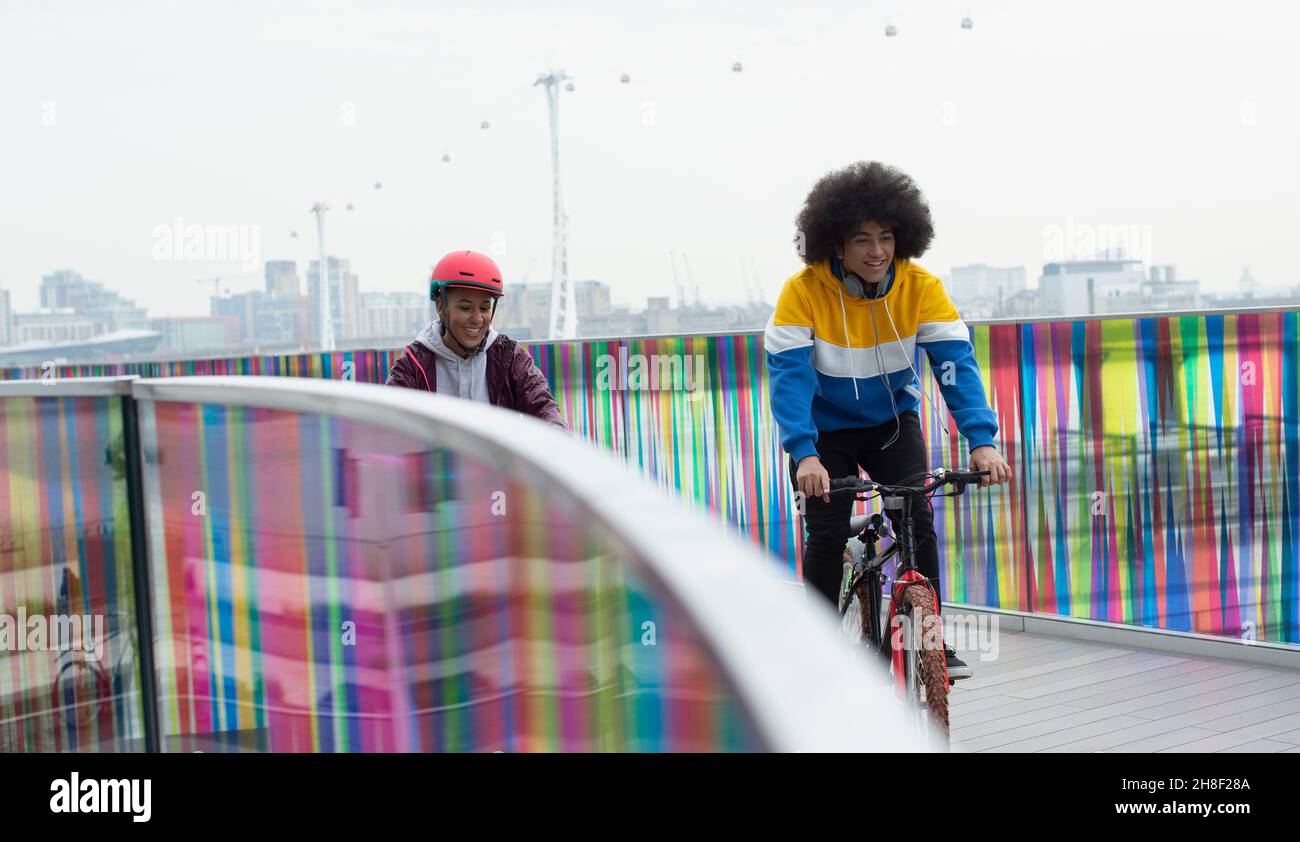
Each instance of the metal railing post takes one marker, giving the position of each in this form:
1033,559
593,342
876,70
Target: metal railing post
140,570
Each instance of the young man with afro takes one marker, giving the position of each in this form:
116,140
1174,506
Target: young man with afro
840,350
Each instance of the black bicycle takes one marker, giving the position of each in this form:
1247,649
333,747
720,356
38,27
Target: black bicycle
914,645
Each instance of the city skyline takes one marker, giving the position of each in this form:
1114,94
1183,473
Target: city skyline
971,282
85,320
247,281
688,157
1030,282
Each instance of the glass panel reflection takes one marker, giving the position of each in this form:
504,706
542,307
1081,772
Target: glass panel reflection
326,585
69,677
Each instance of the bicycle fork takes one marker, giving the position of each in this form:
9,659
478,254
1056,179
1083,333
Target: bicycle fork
908,577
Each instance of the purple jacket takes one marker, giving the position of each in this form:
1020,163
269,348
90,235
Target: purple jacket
513,381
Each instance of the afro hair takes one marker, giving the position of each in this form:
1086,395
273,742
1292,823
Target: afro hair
868,191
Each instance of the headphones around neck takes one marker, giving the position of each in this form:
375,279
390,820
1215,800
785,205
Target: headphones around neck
854,285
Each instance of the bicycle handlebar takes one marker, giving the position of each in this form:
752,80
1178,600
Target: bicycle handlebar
941,478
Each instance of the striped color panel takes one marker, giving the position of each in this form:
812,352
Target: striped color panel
324,585
1155,459
65,551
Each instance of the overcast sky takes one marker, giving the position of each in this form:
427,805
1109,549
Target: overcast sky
1176,121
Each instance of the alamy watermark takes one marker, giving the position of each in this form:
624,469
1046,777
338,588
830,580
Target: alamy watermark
179,241
1079,241
52,633
653,372
74,794
969,634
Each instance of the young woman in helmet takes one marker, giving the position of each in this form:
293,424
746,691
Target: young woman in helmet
460,354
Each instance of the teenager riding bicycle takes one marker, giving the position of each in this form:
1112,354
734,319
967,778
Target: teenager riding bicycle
840,345
462,355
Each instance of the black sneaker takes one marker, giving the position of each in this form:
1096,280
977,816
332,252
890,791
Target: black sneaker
957,668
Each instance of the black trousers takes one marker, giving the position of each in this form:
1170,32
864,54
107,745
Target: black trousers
827,524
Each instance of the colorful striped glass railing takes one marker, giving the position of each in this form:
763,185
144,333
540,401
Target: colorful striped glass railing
344,567
1157,457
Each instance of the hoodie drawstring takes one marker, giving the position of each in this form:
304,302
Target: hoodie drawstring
920,391
884,375
880,359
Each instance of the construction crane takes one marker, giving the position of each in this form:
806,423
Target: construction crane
216,291
679,292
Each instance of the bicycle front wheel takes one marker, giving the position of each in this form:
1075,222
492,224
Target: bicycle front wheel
923,662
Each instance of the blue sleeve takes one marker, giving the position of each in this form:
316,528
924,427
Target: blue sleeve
954,366
791,382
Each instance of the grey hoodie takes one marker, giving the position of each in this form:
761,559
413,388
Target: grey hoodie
462,378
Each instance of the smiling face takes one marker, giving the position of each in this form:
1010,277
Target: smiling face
467,313
869,252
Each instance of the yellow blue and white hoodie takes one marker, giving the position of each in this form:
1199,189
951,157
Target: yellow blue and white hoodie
834,359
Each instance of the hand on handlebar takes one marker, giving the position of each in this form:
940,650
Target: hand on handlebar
987,458
812,478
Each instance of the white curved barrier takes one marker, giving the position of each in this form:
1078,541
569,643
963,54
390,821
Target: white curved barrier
758,650
783,658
